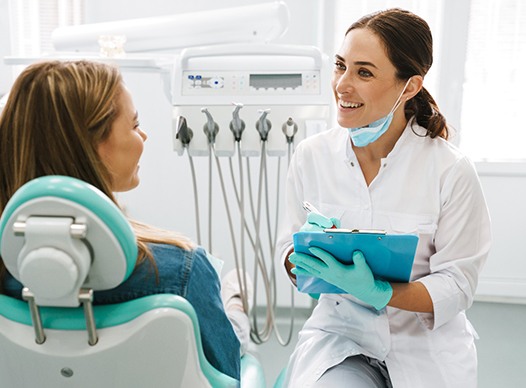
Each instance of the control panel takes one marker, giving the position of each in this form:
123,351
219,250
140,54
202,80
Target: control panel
201,83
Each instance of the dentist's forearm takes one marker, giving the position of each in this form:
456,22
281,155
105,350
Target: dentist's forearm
411,297
289,266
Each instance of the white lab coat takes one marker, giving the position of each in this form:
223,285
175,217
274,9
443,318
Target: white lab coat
424,186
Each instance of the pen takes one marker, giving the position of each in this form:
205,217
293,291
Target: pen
309,208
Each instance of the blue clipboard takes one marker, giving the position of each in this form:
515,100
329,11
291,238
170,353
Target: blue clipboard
390,256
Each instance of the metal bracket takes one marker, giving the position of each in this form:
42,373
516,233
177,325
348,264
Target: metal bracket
76,230
85,297
28,296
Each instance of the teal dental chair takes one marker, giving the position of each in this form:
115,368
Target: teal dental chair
63,239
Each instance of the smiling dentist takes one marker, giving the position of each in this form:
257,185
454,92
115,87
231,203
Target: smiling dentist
388,166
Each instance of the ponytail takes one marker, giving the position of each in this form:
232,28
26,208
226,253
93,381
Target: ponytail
427,114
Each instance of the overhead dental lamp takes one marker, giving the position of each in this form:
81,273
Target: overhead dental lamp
254,23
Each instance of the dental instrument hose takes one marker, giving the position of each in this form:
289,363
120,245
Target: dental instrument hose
242,283
268,277
185,134
196,199
269,280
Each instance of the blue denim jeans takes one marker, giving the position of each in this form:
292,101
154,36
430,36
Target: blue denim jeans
190,275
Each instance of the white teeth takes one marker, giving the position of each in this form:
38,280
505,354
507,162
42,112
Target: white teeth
346,104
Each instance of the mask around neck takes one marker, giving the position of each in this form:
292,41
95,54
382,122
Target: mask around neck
363,136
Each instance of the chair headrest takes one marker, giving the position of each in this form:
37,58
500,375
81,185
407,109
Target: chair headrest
59,234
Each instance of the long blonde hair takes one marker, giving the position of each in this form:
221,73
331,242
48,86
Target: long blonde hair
55,116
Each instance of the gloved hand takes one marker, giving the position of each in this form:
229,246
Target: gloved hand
356,279
317,222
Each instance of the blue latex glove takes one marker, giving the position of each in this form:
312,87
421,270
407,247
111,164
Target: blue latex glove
317,222
356,279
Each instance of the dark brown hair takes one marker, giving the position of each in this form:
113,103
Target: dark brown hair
409,46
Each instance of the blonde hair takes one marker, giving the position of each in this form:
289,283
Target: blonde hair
55,116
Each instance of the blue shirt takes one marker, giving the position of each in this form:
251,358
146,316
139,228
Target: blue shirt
190,275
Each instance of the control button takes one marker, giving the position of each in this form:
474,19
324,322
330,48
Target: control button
216,82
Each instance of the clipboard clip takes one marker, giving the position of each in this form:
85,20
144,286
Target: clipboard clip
355,231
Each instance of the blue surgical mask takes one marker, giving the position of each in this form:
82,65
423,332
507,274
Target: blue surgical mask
365,135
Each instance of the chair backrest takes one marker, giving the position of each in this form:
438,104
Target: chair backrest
60,234
63,238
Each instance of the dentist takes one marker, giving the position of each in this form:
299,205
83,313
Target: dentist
388,166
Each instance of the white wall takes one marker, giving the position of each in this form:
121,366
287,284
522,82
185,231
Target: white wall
6,73
504,276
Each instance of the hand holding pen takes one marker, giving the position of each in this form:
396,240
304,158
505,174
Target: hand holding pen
316,221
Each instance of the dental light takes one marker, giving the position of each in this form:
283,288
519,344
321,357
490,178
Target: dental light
254,23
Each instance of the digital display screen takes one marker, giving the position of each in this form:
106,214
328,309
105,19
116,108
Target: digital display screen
275,80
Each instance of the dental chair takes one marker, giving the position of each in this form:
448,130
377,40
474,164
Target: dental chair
63,239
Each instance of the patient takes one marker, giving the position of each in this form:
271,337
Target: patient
78,119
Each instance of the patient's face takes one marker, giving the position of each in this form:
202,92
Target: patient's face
122,150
